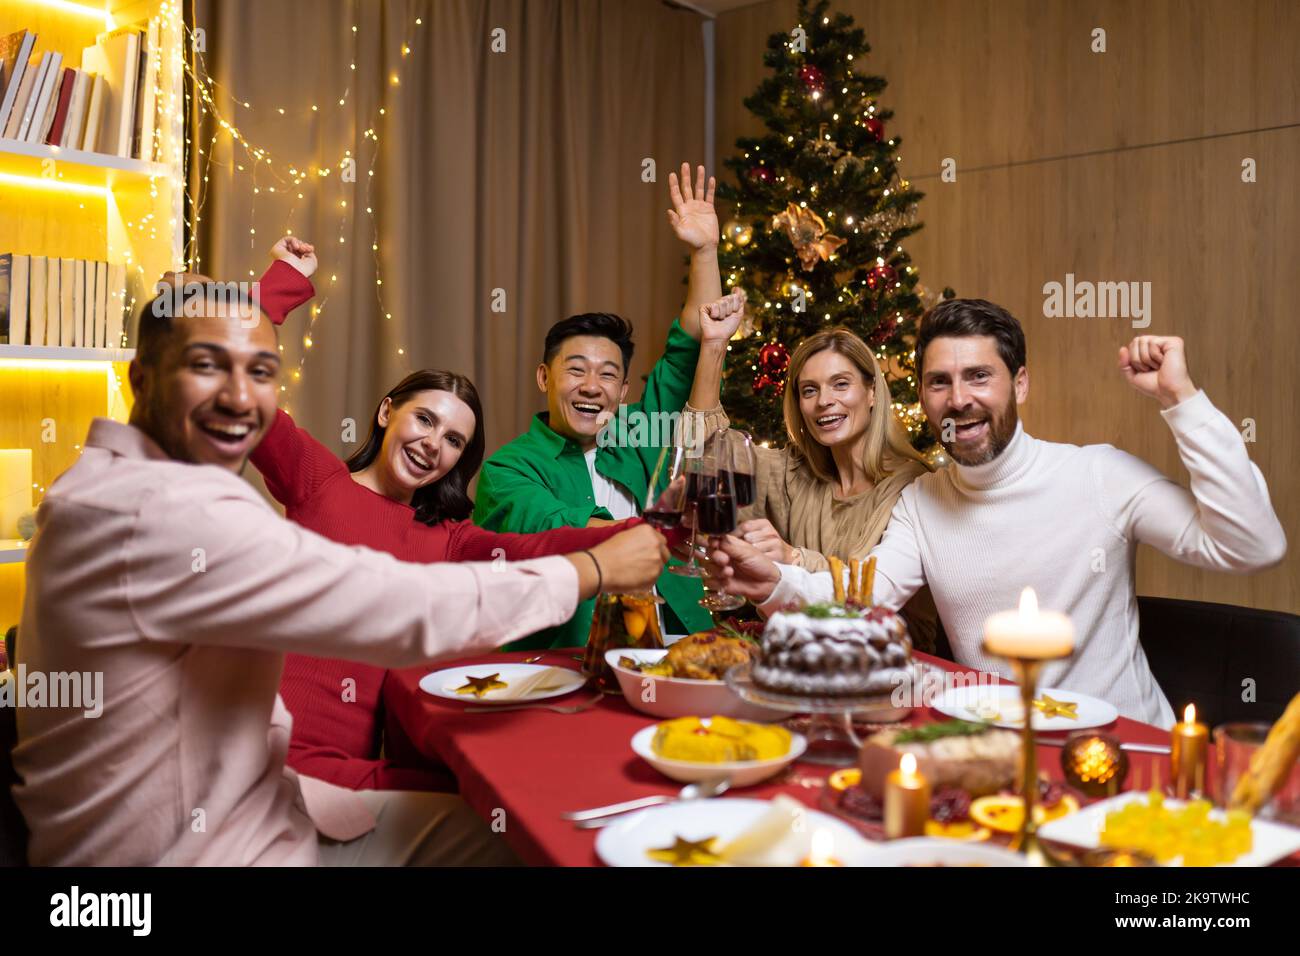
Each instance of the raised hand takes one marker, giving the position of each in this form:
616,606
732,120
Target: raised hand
693,217
719,320
1156,365
738,567
301,255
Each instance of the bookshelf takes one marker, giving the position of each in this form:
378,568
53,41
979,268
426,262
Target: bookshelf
70,203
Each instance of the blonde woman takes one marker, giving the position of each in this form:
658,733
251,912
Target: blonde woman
831,490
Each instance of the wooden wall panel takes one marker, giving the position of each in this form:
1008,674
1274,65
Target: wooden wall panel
1117,166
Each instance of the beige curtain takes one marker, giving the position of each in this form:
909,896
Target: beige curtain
518,170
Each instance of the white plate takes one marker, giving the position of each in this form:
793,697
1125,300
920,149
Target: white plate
626,842
965,703
680,696
1270,841
929,851
443,683
743,773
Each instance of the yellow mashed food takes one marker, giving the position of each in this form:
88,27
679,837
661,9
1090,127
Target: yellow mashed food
719,740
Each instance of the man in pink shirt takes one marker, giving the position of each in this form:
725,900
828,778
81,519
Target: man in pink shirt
156,565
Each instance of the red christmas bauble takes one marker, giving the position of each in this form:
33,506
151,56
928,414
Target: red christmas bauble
880,277
760,174
773,360
882,332
812,78
876,128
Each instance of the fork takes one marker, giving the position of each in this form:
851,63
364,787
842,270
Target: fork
572,709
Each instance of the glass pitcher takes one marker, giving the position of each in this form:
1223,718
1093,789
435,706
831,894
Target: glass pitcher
620,620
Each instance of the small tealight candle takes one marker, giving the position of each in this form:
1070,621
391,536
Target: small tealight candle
1188,746
1028,633
823,850
907,800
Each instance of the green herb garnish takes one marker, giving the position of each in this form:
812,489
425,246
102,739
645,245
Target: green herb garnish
948,728
727,629
829,610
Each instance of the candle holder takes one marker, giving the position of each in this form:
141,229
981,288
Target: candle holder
1026,671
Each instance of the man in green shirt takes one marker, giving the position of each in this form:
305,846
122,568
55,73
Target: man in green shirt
563,470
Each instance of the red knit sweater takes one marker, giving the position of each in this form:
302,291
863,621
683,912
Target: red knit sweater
338,726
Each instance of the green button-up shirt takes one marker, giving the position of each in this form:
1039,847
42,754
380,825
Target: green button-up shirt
540,481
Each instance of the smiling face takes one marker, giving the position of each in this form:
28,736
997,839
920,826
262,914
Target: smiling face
211,394
970,397
834,399
424,438
584,384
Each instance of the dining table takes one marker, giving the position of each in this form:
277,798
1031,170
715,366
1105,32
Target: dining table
520,770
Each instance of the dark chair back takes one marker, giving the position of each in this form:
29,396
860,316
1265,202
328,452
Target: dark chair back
1233,663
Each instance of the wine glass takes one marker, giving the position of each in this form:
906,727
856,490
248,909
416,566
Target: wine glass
744,463
715,504
680,477
666,501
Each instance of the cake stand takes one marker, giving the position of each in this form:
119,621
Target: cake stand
831,737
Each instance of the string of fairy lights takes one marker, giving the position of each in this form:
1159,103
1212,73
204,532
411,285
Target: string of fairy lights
182,52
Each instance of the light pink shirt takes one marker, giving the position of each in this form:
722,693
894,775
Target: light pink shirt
185,589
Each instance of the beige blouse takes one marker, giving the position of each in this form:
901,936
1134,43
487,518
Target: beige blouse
806,514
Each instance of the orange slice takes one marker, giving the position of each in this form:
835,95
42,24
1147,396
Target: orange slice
963,830
1005,813
843,779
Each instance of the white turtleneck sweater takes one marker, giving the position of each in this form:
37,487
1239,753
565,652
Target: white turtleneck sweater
1066,520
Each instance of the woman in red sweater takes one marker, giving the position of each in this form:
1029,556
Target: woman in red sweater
405,491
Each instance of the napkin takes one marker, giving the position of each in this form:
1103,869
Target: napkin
548,678
782,836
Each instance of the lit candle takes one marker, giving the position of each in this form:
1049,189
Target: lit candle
1028,633
823,850
1189,743
907,800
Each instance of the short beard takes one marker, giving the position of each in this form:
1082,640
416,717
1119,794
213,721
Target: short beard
1002,428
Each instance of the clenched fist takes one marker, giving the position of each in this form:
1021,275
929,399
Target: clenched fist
1156,365
720,320
301,255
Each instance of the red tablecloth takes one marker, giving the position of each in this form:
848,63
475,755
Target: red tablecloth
534,764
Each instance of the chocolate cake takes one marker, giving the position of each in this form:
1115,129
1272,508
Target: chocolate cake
830,650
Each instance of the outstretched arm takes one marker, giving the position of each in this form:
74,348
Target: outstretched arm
1226,522
695,222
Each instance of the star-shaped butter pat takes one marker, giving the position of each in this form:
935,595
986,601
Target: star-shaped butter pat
1049,706
687,853
478,686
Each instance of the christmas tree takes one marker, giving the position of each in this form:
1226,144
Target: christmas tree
820,214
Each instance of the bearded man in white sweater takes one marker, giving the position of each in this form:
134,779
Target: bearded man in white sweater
1013,510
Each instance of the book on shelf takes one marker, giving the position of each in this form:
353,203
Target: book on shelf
16,312
43,115
97,94
37,290
67,276
15,52
29,94
61,302
75,122
6,270
61,105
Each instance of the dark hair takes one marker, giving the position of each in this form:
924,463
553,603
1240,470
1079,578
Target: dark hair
963,317
176,296
447,499
604,324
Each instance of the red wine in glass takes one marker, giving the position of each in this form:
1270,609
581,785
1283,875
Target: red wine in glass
716,514
662,518
744,485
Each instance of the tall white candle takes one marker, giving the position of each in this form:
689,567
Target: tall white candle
15,488
1029,633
